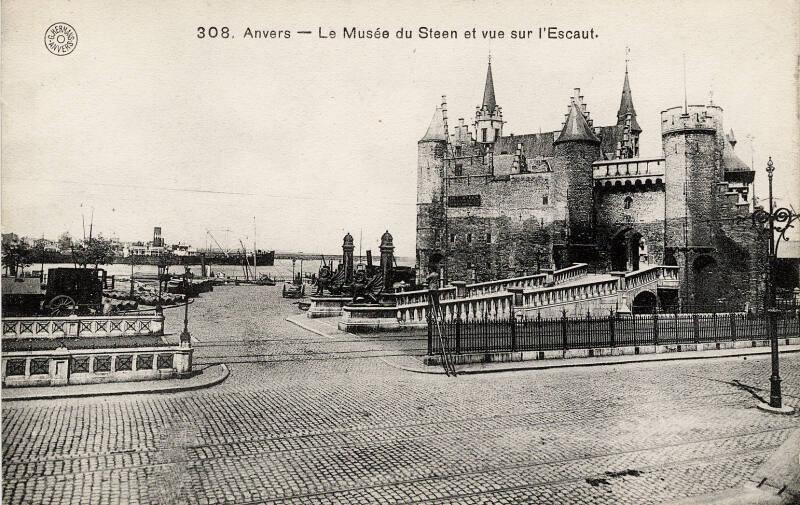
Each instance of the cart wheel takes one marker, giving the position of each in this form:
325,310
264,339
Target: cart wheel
61,305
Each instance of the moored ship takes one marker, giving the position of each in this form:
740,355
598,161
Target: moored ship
212,257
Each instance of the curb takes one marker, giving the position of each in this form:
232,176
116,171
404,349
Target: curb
307,328
84,394
438,370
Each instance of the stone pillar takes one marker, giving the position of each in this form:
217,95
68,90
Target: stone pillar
347,258
461,288
59,375
517,293
621,284
387,259
183,362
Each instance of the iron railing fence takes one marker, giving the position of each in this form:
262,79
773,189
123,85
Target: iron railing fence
614,330
786,304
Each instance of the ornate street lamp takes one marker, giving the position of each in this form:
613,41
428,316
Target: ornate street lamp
186,337
777,220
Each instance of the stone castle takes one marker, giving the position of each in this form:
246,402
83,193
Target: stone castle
491,205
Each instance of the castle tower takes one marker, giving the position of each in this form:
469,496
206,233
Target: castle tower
489,115
692,153
431,150
628,128
578,147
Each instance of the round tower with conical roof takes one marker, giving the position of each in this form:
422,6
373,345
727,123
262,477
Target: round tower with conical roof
431,151
578,147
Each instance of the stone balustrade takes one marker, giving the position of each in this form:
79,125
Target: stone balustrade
484,288
571,272
404,298
490,306
557,295
82,326
658,273
532,294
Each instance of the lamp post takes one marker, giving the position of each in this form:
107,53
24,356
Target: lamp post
777,220
186,337
162,263
132,262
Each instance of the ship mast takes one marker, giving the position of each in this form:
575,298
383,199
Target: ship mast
255,251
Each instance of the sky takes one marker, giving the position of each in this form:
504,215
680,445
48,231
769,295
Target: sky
296,142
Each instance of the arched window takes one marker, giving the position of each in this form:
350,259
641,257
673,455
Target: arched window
628,202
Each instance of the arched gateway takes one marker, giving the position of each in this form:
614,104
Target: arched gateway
628,250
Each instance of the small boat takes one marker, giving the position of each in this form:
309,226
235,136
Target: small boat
265,280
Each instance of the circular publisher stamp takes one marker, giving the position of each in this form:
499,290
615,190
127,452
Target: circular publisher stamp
60,39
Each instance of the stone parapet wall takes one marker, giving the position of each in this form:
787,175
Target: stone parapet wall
82,326
89,366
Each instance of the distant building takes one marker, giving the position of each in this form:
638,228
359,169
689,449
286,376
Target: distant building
491,205
157,240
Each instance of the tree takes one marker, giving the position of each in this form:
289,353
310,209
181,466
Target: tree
16,253
93,251
39,251
65,242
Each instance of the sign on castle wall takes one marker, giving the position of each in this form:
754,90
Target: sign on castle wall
464,201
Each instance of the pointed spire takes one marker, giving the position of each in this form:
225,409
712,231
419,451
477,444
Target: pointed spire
576,127
436,128
732,138
488,91
626,104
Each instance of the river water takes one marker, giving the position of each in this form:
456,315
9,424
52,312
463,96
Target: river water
282,269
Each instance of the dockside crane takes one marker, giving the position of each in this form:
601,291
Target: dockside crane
208,232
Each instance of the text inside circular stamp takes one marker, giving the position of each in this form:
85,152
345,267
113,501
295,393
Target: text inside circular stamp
60,39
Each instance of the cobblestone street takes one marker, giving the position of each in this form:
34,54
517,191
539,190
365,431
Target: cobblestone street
309,419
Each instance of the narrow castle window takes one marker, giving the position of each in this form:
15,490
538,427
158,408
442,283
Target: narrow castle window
483,134
488,238
458,150
452,238
628,202
496,133
469,238
459,171
544,200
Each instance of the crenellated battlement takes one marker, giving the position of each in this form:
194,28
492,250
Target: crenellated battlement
700,118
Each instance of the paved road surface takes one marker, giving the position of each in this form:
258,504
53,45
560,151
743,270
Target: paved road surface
309,419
